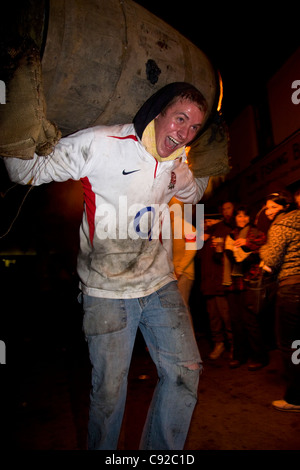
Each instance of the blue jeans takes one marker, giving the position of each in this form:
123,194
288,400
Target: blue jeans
110,326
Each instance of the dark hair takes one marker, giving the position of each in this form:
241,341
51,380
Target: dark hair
283,198
193,95
242,208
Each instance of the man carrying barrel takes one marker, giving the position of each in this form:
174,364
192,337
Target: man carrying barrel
125,266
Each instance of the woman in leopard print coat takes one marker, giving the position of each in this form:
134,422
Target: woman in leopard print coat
282,253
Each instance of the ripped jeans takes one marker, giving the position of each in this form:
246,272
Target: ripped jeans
110,326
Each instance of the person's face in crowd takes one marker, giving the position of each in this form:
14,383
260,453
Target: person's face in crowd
272,208
177,126
242,219
227,210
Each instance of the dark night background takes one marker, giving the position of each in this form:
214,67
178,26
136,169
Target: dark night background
246,41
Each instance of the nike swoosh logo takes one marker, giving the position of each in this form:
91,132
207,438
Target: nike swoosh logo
129,172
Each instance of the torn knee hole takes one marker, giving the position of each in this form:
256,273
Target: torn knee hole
193,366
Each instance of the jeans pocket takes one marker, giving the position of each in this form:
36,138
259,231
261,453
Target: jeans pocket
170,297
102,316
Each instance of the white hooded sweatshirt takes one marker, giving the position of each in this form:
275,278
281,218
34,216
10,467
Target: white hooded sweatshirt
125,234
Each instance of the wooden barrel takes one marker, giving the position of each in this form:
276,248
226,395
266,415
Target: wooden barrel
102,59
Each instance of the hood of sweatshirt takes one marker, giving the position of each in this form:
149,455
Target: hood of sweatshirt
156,103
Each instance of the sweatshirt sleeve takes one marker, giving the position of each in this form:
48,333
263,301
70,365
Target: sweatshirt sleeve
193,189
68,160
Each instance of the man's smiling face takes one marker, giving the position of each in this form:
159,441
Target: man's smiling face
177,126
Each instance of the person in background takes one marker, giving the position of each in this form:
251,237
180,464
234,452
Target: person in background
281,254
212,281
184,248
277,203
264,287
241,263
